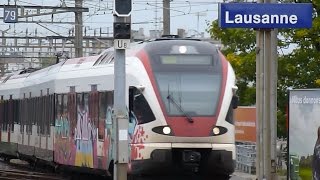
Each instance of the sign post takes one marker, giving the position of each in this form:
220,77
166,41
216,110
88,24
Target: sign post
122,35
265,16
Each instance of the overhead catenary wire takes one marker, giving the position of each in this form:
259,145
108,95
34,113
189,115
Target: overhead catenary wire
179,8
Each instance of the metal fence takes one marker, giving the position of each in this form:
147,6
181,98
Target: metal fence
245,157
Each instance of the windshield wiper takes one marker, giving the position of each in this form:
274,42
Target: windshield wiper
169,97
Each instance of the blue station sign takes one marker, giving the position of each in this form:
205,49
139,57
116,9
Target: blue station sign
265,15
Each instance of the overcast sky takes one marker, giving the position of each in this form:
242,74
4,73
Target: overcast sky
190,15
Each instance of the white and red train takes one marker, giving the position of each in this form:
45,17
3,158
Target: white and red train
181,95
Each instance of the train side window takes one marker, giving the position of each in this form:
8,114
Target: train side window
233,105
58,109
22,116
4,115
72,112
5,119
110,103
229,117
28,115
41,117
10,113
235,101
47,115
34,113
38,115
102,115
33,110
53,109
46,120
31,114
65,120
83,122
94,107
11,124
65,107
16,111
25,114
19,112
62,121
140,107
11,116
1,113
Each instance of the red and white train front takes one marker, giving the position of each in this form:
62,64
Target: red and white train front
182,112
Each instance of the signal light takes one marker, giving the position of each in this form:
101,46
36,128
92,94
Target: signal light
122,8
121,30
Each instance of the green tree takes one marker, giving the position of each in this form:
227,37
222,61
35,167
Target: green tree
300,68
296,69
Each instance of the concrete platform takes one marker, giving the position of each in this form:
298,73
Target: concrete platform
244,176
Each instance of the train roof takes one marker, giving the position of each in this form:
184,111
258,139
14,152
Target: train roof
32,76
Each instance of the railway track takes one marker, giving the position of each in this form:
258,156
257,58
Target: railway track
27,175
12,170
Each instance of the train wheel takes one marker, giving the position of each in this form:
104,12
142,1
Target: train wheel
56,168
131,177
34,163
6,159
111,169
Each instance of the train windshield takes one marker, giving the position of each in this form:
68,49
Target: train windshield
189,84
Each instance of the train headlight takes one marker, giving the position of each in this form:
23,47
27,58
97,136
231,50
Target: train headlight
182,49
166,130
216,131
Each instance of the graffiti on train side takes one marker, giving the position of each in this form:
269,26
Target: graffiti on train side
76,141
63,126
82,141
63,153
138,143
85,138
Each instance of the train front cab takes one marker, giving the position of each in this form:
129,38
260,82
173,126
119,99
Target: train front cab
176,138
179,156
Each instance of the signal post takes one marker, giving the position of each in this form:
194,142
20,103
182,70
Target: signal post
122,36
